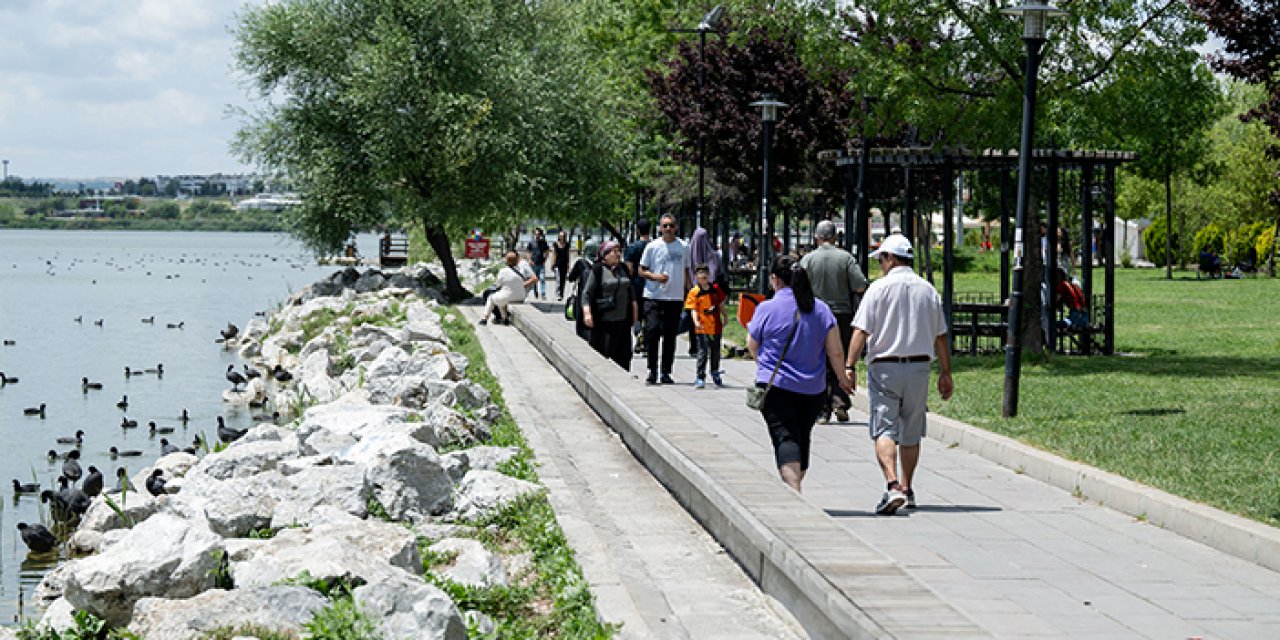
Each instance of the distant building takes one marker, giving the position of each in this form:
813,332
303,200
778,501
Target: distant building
268,202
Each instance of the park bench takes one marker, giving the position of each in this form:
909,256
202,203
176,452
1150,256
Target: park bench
393,251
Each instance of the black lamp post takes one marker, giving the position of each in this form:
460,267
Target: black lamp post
710,23
1034,16
861,239
769,106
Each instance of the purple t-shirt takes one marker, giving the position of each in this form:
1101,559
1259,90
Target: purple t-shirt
804,369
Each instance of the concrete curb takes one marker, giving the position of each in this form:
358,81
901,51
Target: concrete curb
1226,532
835,584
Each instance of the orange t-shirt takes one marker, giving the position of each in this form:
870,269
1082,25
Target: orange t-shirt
706,305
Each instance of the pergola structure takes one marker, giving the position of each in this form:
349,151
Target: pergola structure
1091,172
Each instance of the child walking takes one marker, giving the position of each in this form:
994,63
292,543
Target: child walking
705,303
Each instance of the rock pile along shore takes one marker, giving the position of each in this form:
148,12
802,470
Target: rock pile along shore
345,494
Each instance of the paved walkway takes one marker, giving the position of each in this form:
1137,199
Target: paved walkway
651,566
1019,557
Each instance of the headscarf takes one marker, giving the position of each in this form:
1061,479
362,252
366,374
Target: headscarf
589,250
609,245
701,252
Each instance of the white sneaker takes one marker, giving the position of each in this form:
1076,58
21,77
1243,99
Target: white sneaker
890,502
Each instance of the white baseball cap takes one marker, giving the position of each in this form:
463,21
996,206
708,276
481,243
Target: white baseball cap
896,244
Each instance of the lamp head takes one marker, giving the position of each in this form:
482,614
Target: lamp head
711,21
769,106
1035,15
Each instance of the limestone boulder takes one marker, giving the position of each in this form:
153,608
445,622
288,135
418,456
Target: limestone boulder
238,505
334,428
243,459
57,618
282,609
472,564
409,609
482,493
278,346
341,548
341,486
53,585
137,506
407,475
315,377
369,281
165,556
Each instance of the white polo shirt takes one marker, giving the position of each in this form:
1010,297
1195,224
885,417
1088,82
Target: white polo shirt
902,313
671,258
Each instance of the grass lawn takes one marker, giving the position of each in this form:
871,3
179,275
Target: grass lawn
1192,406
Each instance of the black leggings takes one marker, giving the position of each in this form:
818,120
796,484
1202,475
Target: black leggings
790,417
562,271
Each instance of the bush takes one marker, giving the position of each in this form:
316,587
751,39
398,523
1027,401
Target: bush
1153,240
1240,240
1265,242
1210,238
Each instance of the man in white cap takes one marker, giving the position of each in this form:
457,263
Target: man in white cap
901,324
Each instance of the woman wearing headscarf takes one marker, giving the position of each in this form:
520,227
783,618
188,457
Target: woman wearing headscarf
578,274
792,337
609,307
701,252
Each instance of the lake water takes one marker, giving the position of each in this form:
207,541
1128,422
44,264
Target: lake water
49,278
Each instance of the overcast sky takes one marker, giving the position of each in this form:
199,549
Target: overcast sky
94,88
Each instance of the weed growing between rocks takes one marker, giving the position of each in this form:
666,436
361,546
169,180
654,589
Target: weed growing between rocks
552,599
87,627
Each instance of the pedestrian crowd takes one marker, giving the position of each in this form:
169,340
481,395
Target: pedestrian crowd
807,339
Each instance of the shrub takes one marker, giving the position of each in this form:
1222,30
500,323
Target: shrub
1265,242
1153,240
1210,238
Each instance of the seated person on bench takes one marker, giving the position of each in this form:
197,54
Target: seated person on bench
1067,294
1210,264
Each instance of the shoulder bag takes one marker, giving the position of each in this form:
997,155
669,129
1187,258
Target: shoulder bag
756,395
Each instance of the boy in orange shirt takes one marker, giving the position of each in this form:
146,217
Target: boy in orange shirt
705,303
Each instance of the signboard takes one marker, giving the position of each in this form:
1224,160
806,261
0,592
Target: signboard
478,248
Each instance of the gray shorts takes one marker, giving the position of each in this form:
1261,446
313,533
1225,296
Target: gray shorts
899,395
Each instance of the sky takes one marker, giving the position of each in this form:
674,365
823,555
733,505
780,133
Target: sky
122,88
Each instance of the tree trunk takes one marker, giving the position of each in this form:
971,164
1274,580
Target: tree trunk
1033,265
1168,225
439,241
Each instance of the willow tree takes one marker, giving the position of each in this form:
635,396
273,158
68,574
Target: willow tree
450,113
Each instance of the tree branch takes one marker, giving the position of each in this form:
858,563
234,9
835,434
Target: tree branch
1115,51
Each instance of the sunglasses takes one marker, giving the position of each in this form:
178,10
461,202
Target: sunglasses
668,226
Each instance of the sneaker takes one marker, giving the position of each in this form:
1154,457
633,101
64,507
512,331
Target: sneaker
911,498
699,384
484,321
890,502
824,418
507,321
842,415
652,379
715,377
666,379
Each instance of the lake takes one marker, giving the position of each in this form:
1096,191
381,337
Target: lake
48,279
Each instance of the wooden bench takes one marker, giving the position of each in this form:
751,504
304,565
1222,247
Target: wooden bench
393,251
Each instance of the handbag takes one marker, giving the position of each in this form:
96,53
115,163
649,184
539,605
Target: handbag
570,304
756,395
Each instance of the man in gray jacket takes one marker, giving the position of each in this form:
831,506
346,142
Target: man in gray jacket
838,281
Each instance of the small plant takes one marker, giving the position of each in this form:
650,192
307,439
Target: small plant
221,573
262,533
1077,493
250,631
376,509
1020,470
342,620
124,517
86,626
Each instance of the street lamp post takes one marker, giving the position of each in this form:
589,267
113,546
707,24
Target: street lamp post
1034,16
710,23
861,221
769,106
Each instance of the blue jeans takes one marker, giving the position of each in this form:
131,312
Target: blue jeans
708,346
540,289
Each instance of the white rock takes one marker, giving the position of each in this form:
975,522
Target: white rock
85,542
315,378
164,556
482,493
482,623
279,346
334,428
267,432
53,585
236,506
407,475
137,505
344,487
59,617
243,459
352,550
410,609
283,609
490,458
472,565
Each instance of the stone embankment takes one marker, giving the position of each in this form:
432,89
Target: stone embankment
354,491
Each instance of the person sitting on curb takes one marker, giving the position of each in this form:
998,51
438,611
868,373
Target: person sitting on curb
513,283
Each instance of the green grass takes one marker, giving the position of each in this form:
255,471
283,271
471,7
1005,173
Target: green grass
1190,407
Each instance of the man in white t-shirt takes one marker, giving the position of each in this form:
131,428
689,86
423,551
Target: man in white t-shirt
664,267
900,322
514,281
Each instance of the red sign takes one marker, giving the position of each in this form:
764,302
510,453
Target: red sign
478,248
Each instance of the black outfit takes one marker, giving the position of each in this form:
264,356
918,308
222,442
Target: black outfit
662,324
608,293
579,273
561,266
790,417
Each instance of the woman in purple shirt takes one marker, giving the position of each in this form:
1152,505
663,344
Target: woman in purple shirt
792,406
